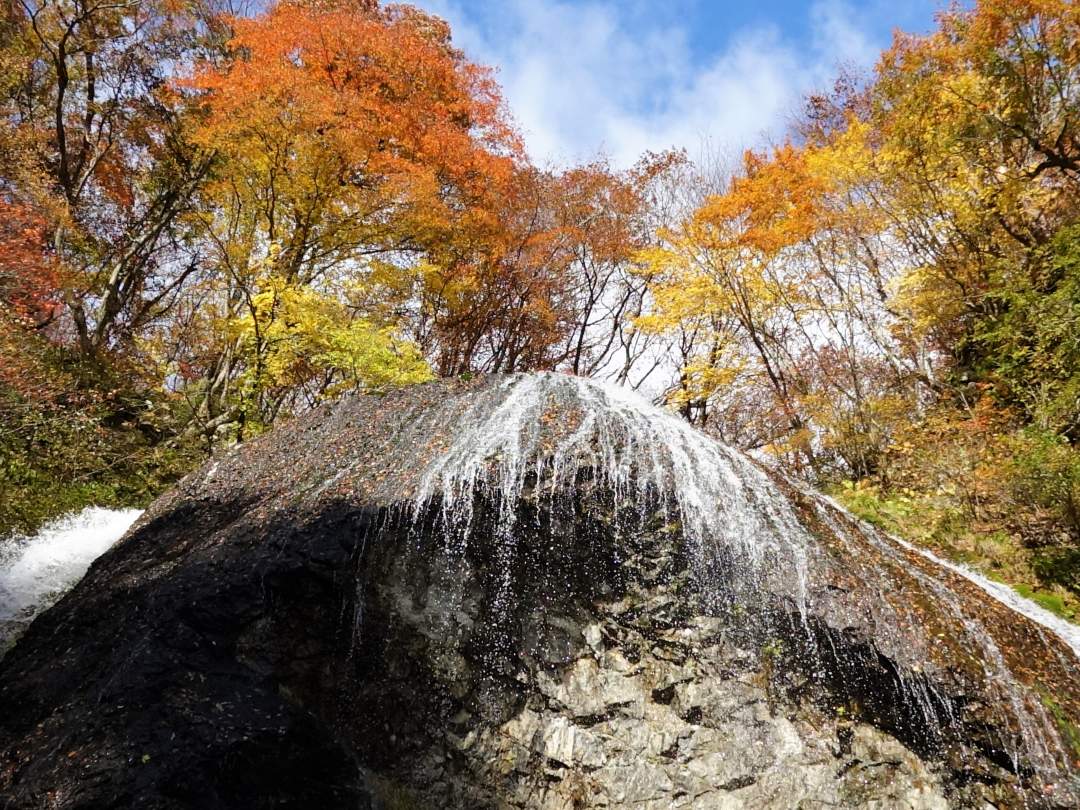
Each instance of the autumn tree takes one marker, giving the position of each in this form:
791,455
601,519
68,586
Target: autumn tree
498,303
723,269
554,286
606,216
354,149
99,145
978,131
784,279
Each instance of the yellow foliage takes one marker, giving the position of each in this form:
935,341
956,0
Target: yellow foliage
293,333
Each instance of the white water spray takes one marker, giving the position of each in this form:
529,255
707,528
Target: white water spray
722,501
35,571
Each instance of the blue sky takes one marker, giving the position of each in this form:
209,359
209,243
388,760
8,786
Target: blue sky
620,76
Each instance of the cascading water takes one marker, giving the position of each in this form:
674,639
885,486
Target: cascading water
35,571
1066,631
532,436
721,500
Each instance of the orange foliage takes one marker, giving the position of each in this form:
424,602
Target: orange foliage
774,203
379,94
30,281
554,268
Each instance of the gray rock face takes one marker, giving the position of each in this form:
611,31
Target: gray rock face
523,593
619,710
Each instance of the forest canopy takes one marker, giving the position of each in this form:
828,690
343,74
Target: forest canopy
211,220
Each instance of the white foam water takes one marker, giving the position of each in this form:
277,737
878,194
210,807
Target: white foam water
36,570
721,499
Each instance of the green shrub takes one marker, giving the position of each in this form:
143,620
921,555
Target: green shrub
1045,471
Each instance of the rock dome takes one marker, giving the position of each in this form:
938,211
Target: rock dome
531,591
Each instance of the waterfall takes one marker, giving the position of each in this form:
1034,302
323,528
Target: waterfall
36,570
763,537
549,427
722,498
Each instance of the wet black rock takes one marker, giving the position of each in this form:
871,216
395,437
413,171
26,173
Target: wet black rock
318,621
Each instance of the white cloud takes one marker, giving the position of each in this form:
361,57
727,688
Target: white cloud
580,80
837,37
